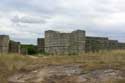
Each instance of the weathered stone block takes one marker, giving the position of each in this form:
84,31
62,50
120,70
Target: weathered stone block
40,44
64,43
4,43
121,45
96,43
14,47
113,44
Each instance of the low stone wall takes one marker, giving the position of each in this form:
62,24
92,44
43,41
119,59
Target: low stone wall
14,47
4,43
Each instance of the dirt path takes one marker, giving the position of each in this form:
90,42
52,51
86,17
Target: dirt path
65,74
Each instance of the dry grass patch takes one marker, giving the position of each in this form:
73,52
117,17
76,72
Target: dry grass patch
12,63
111,59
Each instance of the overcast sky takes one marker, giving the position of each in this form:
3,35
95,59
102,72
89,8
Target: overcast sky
26,20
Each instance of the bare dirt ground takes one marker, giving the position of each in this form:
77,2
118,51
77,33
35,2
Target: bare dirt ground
67,73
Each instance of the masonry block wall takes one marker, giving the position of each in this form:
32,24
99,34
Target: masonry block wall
76,42
40,44
8,46
64,43
113,44
55,42
4,43
14,47
96,43
121,45
78,39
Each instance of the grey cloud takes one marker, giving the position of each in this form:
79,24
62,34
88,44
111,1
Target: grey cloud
63,15
40,7
29,20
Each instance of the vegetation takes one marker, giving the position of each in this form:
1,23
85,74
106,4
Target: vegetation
11,63
31,49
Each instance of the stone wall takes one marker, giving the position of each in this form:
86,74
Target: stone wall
61,43
113,44
121,45
14,47
4,43
64,43
96,43
40,44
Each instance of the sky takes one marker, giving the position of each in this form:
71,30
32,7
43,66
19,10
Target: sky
26,20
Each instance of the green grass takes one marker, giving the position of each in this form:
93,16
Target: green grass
11,63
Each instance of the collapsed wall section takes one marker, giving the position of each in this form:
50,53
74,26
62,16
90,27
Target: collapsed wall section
40,44
14,47
4,43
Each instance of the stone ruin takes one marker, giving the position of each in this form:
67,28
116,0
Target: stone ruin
75,42
121,45
113,44
4,43
58,43
8,46
14,47
64,43
40,44
96,43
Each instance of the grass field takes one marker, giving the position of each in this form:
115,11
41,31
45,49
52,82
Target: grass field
11,63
